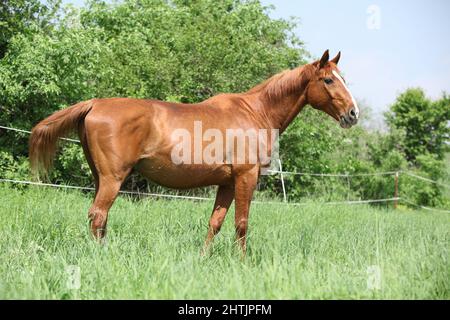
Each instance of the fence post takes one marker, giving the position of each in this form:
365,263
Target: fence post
396,190
282,181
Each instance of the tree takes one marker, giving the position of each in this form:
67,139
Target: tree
170,50
424,122
24,16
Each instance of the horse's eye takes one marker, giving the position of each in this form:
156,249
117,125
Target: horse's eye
328,80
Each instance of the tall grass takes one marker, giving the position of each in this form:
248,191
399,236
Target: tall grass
152,251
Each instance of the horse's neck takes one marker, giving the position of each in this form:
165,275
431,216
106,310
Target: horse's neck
281,109
286,112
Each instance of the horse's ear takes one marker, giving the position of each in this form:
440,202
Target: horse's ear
336,59
324,59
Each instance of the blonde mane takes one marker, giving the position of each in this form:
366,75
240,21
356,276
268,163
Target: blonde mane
283,83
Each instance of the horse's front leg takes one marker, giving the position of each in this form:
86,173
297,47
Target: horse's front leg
224,197
245,184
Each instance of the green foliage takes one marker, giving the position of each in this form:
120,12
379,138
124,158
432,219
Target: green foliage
24,17
72,160
11,168
425,123
181,51
423,192
188,51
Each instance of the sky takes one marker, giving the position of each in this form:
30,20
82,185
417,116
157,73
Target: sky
387,46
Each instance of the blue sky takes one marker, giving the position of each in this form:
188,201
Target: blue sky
410,48
387,46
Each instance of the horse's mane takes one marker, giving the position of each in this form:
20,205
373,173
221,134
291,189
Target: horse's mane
283,83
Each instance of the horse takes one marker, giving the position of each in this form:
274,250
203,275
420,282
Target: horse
121,134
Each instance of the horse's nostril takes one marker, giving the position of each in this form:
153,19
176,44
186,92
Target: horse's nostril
353,113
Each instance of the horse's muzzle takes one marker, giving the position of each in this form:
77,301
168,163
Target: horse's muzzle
349,119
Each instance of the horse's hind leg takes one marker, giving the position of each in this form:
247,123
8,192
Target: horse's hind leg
112,170
224,197
111,176
108,189
83,139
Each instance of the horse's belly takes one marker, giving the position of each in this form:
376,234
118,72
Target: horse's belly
168,174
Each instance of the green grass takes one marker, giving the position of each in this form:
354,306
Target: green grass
152,251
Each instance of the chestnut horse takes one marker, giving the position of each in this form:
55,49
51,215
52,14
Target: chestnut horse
119,134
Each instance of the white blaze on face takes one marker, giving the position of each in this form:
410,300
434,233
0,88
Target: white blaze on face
348,91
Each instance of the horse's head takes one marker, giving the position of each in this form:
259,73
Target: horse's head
328,92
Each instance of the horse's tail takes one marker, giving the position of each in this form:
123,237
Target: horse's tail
44,136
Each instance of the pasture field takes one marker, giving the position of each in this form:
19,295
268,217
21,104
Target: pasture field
152,251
